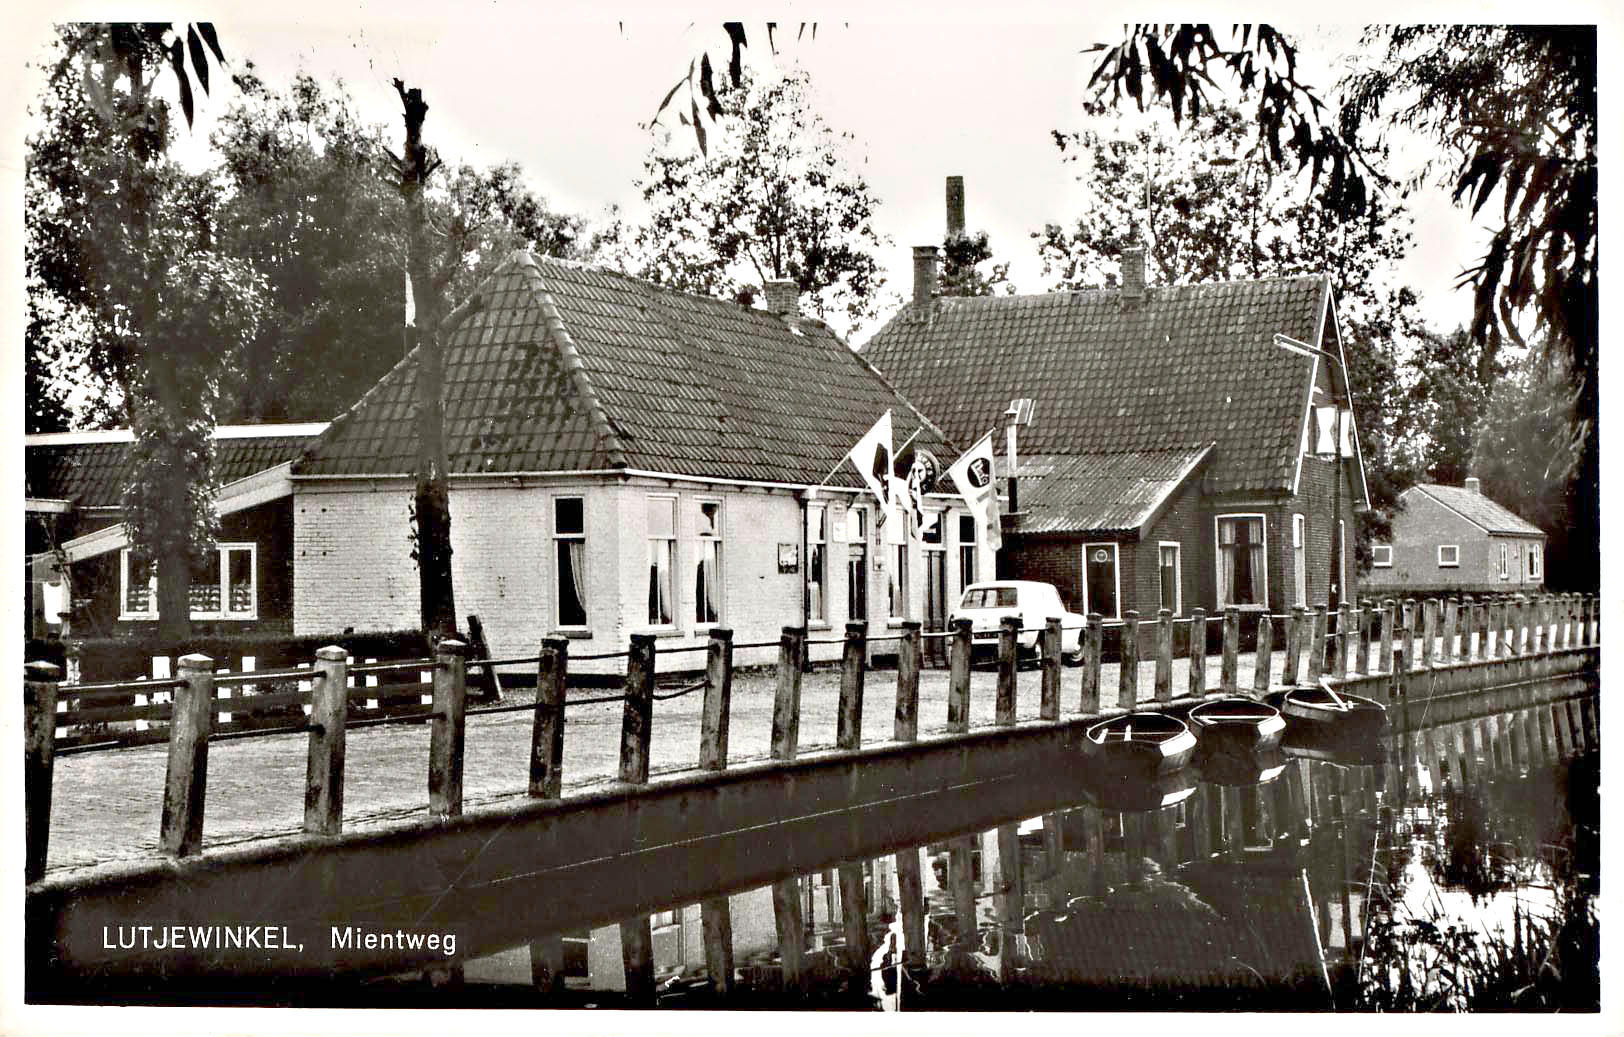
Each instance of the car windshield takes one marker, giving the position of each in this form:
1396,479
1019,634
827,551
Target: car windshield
989,598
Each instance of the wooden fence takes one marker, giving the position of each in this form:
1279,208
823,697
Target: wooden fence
334,694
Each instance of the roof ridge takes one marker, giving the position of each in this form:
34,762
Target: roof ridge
574,363
877,373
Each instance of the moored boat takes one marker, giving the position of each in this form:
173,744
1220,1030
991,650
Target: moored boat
1321,712
1139,743
1243,723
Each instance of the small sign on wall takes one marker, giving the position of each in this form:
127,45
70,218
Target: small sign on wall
789,558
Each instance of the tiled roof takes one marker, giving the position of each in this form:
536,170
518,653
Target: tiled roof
91,473
1480,510
561,367
1101,493
1186,366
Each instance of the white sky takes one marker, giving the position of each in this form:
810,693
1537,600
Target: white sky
924,96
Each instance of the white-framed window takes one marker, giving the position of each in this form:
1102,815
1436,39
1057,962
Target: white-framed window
1102,582
662,560
857,563
708,562
226,588
1299,557
1243,570
569,561
967,551
817,563
1536,562
1381,556
1449,557
897,582
1169,575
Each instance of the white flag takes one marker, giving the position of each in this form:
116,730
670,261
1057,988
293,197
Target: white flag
872,459
972,477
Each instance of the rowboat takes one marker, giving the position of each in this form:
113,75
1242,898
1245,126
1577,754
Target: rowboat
1139,743
1140,794
1241,723
1223,766
1323,712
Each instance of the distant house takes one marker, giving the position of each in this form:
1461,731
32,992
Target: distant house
1183,449
624,458
1453,539
73,514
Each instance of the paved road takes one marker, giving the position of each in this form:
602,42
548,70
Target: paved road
107,804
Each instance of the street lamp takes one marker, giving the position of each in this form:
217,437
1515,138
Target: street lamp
1343,406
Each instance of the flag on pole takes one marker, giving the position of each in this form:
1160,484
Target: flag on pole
915,470
972,477
872,459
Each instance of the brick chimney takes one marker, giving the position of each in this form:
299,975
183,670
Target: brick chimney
783,297
926,260
1133,272
1473,484
955,206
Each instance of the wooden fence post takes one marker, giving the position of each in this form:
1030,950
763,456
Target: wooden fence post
1451,628
324,763
854,919
1339,643
958,678
718,705
1196,679
1229,667
1128,662
1384,648
547,726
1592,635
1093,645
447,730
1316,646
791,933
180,832
1468,623
1569,621
1429,630
637,959
911,901
1406,647
637,720
849,720
1508,624
906,727
1358,649
1263,656
716,927
1296,636
39,753
787,703
1049,700
1164,655
1525,621
1009,647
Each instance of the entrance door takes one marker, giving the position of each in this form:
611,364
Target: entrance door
1100,579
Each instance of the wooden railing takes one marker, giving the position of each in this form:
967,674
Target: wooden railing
1406,636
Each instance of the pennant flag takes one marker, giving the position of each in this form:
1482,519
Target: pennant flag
872,459
914,471
972,477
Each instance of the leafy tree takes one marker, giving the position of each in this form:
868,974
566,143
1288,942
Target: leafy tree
120,252
1442,407
1512,110
771,198
962,256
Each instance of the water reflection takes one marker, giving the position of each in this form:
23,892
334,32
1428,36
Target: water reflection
1295,879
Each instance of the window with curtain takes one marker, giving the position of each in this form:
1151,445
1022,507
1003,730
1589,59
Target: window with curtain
1241,560
817,550
856,563
897,585
708,563
138,597
569,550
967,551
1168,566
1299,557
662,559
1534,562
224,588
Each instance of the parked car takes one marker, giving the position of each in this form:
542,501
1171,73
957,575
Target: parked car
986,604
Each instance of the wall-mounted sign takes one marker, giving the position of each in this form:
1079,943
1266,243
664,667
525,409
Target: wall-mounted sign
789,558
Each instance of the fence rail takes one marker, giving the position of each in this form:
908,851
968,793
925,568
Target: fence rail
1391,638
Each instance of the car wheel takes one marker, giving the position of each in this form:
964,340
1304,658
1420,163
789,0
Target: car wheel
1074,658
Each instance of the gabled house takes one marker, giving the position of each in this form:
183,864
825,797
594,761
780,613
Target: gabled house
1183,448
1455,540
624,458
73,515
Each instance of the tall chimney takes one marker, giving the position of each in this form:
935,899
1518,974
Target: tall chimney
783,297
1473,484
955,206
926,258
1133,271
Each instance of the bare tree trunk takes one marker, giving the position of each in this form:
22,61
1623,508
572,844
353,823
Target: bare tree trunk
432,503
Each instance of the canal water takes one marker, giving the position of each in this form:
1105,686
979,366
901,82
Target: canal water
1450,869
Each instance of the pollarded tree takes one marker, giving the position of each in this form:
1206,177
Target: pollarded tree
770,197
